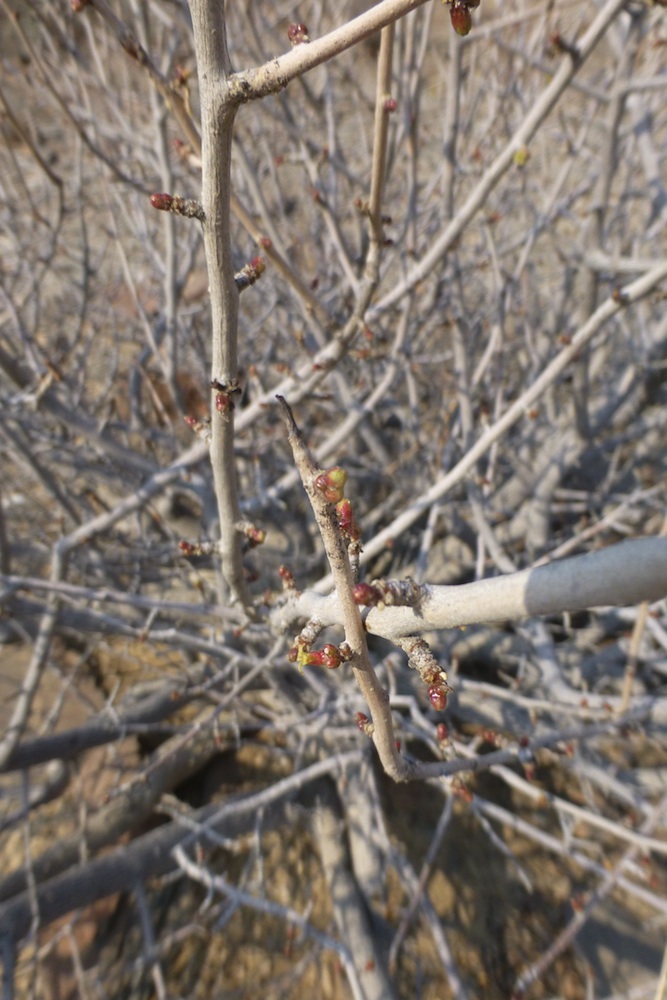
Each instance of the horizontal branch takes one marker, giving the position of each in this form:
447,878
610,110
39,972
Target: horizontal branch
107,595
623,574
69,743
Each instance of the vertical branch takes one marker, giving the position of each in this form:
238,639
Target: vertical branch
383,109
594,236
5,551
452,117
169,359
218,111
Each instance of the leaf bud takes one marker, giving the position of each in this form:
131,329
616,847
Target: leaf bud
162,201
331,484
287,578
438,697
298,34
460,18
255,536
329,657
366,595
365,724
346,520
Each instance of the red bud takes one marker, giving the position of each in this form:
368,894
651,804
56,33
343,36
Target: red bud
287,578
366,595
329,657
346,520
460,18
331,484
162,202
297,34
255,536
438,697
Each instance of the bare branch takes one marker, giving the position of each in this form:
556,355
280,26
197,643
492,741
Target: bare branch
627,573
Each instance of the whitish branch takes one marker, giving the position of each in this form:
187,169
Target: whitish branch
623,574
217,120
276,74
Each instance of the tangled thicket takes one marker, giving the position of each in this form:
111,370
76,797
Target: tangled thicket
444,259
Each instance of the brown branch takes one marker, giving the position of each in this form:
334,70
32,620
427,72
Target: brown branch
335,547
149,855
174,763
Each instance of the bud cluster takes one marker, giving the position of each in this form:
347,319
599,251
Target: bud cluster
462,791
287,578
381,593
223,402
366,595
329,656
330,484
365,724
224,394
189,207
249,274
253,536
298,34
421,659
191,549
